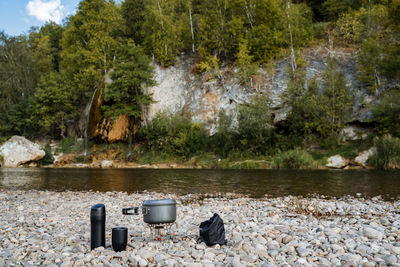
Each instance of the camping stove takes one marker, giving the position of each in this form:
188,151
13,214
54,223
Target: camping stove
161,231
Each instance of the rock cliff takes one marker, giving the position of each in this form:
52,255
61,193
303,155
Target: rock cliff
180,90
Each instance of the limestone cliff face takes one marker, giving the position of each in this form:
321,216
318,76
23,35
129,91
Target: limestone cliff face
202,96
180,90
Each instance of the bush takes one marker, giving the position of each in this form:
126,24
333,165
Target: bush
292,159
387,113
255,129
174,135
70,145
387,154
225,140
48,157
3,139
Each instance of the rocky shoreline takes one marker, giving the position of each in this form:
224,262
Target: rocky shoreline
53,229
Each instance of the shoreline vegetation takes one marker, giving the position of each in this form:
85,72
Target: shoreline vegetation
70,153
46,228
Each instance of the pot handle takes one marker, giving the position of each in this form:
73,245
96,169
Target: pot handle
125,211
145,211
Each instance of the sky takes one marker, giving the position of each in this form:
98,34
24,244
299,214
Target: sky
18,16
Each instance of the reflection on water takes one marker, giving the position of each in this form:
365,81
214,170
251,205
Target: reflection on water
255,183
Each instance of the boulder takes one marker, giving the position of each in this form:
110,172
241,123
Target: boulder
18,150
107,164
337,162
362,158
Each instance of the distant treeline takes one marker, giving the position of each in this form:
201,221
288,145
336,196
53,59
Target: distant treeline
48,75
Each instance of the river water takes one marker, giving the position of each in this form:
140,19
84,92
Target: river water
255,183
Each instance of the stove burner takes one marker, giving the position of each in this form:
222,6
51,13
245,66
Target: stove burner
157,232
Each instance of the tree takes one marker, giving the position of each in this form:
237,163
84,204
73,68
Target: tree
18,79
55,103
339,99
131,73
213,37
255,126
133,12
46,47
318,109
386,113
162,29
247,68
90,41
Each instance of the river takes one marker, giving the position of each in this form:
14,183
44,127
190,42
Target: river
255,183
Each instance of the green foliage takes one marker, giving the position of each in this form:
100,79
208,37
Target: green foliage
210,66
332,9
162,28
387,154
134,13
89,43
340,101
319,109
70,145
175,135
299,17
55,103
255,128
390,63
247,164
247,69
131,73
224,26
349,27
18,79
45,46
292,159
48,157
387,113
225,140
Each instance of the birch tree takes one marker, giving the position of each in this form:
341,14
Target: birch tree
162,30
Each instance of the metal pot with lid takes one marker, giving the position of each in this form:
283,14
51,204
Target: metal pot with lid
155,211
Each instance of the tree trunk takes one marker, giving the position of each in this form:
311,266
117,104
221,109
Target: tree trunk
292,55
191,28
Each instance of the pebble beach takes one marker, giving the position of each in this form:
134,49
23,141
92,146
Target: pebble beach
42,228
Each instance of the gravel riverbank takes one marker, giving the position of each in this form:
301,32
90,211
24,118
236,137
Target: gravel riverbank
53,228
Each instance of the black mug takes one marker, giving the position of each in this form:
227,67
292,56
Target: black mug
119,238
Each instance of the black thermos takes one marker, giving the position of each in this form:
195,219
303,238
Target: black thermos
98,226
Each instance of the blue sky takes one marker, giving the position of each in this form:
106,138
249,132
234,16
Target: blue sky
17,16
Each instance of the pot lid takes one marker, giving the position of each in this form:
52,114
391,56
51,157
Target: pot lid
159,202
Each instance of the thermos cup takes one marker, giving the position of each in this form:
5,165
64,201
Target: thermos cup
97,226
119,238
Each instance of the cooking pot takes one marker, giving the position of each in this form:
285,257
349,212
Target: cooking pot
155,211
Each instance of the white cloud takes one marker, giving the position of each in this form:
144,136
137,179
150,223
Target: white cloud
45,11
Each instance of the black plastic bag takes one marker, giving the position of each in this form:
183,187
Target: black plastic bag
212,231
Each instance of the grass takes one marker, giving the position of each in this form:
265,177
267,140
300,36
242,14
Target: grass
293,159
387,155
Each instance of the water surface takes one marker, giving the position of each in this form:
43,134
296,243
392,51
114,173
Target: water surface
255,183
